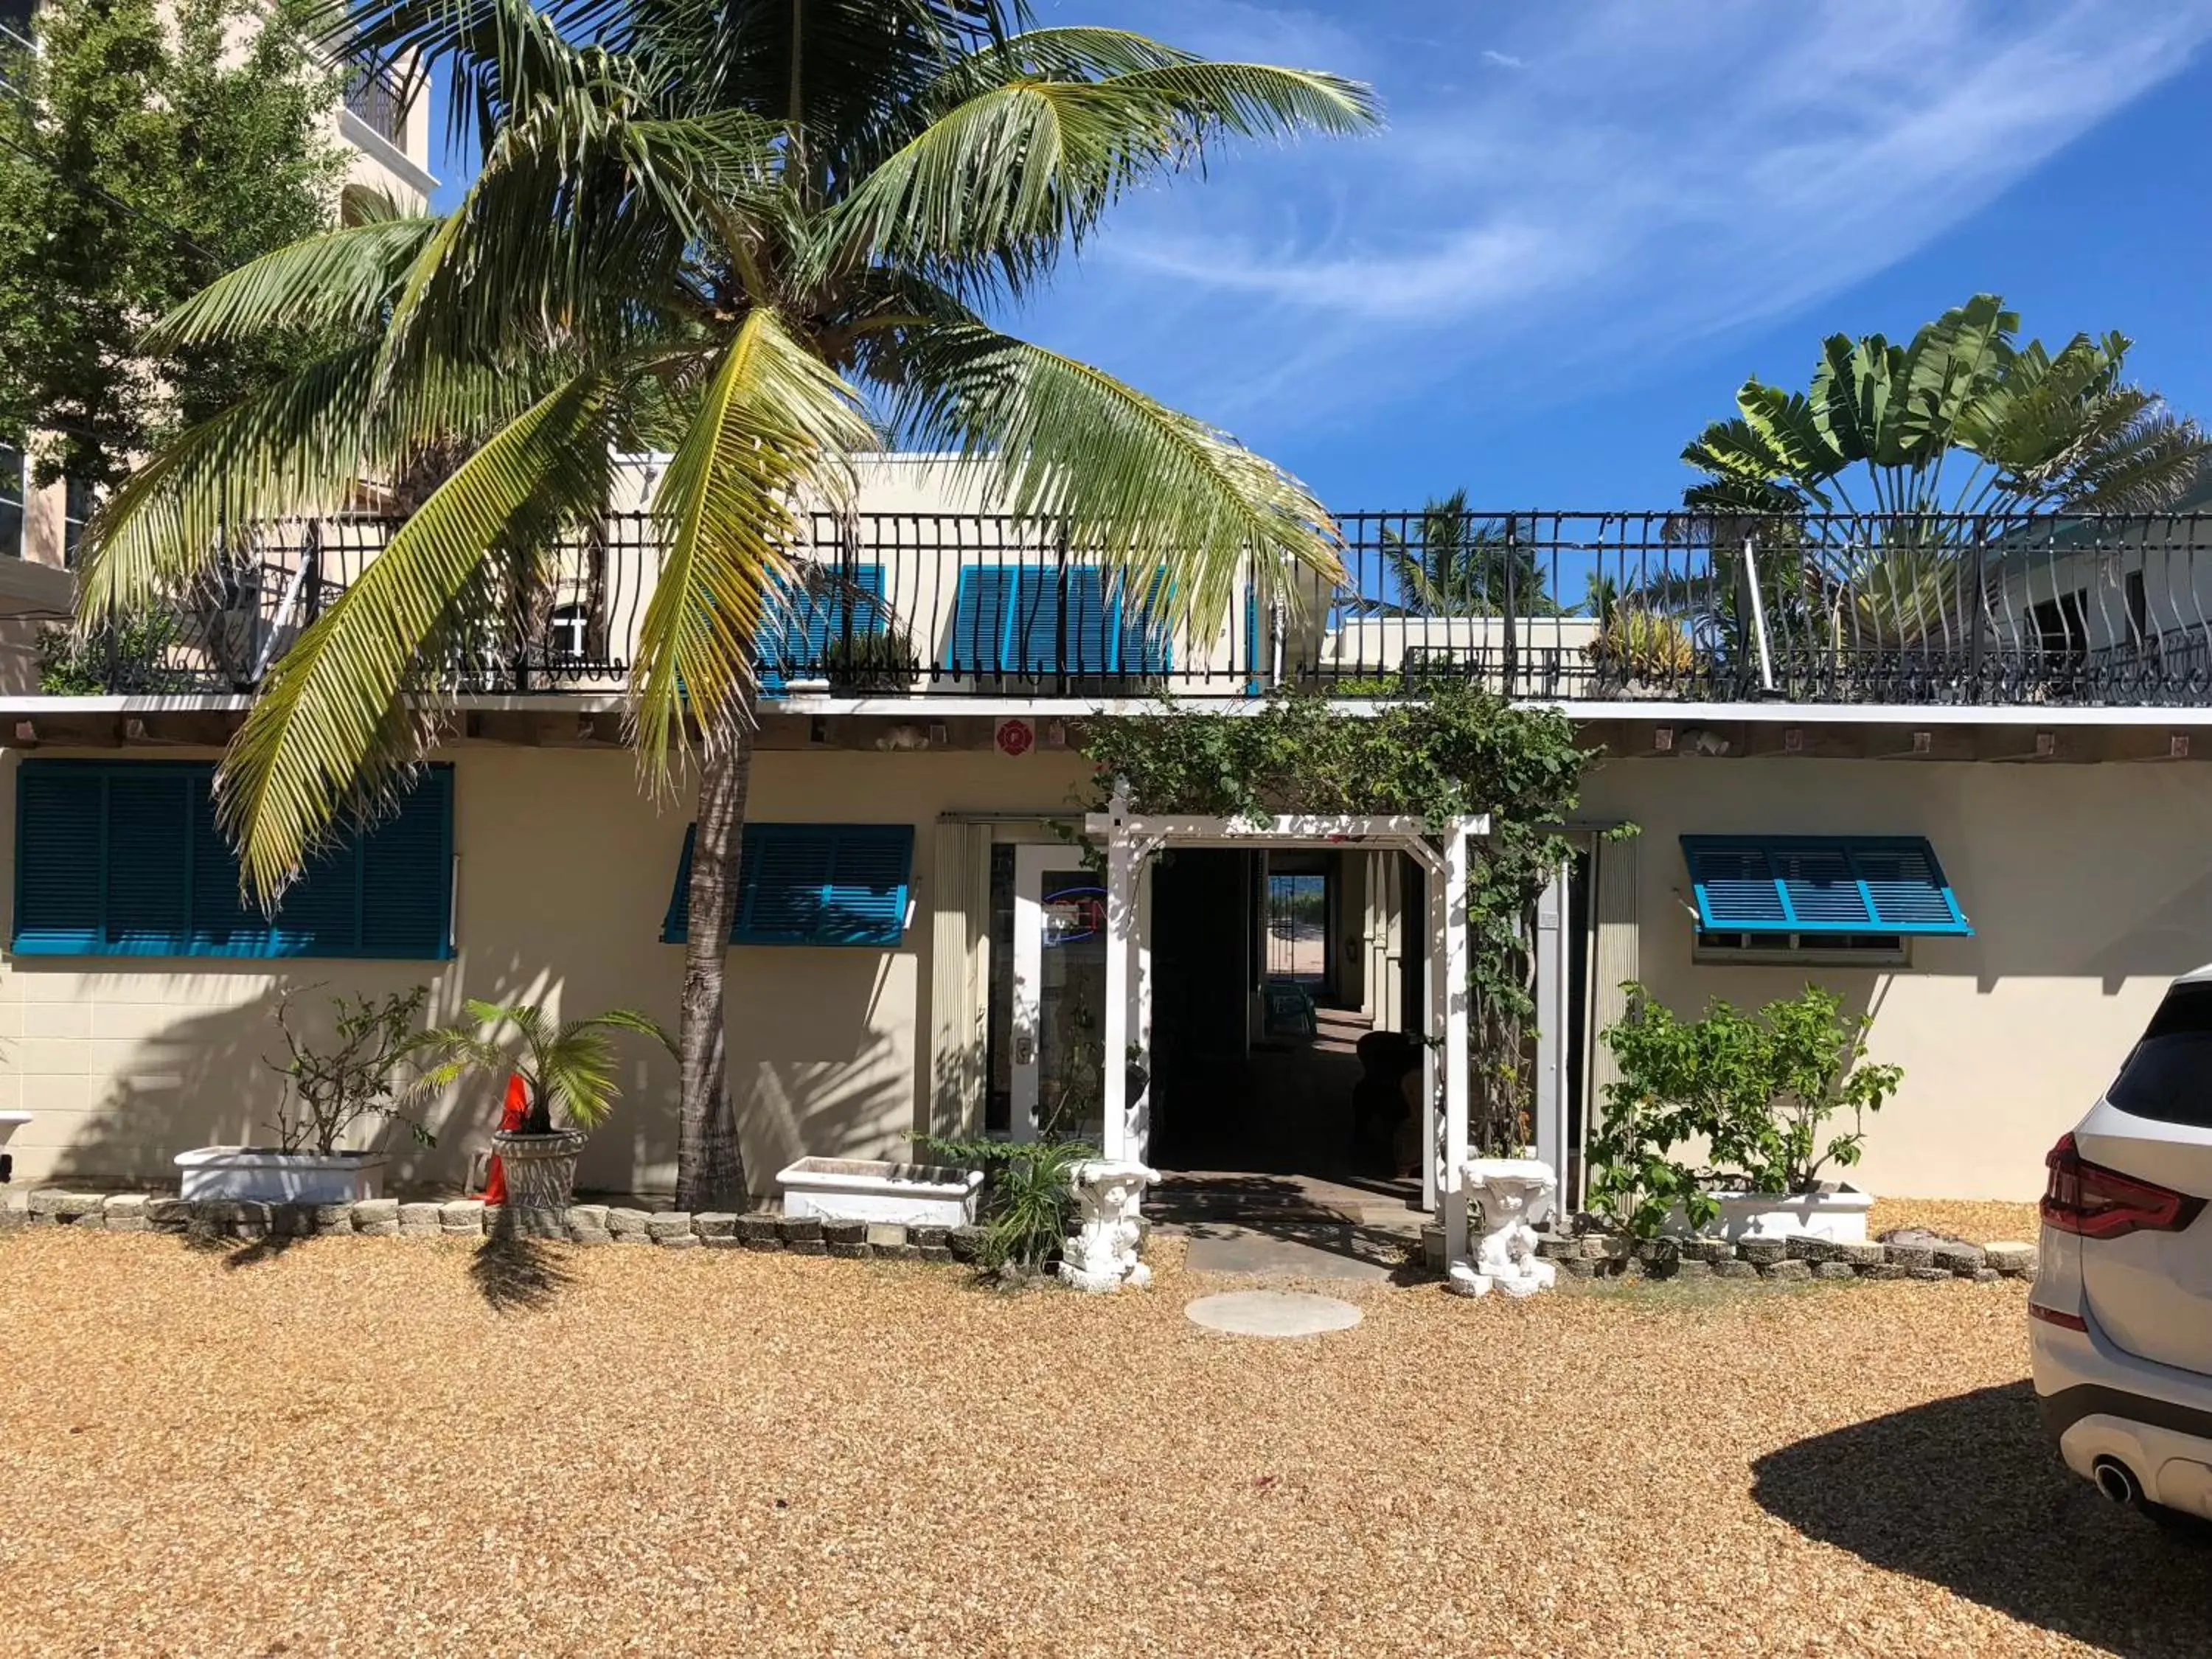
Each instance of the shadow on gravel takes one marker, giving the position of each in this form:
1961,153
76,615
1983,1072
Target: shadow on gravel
1967,1493
516,1275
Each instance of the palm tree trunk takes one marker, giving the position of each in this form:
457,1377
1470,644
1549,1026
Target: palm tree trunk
710,1164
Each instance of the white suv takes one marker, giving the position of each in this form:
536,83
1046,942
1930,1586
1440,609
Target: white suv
2120,1319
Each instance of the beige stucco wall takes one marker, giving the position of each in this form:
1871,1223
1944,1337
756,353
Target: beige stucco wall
564,873
2089,886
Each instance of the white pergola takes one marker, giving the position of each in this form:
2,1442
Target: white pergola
1440,848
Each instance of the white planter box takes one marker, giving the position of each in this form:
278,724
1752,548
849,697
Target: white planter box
274,1177
870,1189
1837,1212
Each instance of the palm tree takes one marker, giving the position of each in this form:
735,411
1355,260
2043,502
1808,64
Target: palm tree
1456,567
2016,427
763,236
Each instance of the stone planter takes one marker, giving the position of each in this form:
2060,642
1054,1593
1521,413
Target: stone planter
541,1180
873,1189
267,1175
1837,1212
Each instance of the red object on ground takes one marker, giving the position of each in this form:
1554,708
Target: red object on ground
516,1110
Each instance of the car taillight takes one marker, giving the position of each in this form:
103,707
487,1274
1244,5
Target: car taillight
2089,1198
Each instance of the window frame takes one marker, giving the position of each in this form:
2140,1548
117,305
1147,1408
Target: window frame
1789,950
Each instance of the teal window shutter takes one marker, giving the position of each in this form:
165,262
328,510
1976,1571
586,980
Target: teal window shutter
1040,619
795,637
982,610
809,883
1821,884
125,858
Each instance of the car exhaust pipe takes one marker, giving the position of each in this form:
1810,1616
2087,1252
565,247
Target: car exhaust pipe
2117,1481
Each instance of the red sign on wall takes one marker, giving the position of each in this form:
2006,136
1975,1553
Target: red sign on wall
1016,737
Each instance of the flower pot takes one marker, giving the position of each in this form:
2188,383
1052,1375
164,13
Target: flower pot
541,1180
1836,1212
270,1177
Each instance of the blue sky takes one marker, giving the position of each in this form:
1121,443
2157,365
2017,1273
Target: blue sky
1587,221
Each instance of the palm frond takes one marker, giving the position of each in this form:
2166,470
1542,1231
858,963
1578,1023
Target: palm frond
1150,489
332,729
773,416
340,280
1010,178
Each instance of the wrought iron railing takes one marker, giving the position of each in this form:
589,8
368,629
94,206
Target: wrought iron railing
378,97
1567,606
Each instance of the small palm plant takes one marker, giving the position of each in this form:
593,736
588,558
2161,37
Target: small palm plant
567,1068
570,1065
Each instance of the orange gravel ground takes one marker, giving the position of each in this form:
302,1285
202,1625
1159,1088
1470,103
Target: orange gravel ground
370,1447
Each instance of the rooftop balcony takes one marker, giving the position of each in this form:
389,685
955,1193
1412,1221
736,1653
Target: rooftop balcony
1574,608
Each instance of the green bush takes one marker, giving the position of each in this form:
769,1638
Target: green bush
1029,1196
1757,1090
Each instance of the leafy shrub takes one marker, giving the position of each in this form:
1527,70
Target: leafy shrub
1028,1195
1757,1089
358,1076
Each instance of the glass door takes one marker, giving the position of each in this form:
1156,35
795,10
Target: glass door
1059,1073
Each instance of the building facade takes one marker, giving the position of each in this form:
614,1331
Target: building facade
1982,830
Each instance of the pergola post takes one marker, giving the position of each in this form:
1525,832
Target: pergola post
1121,946
1451,948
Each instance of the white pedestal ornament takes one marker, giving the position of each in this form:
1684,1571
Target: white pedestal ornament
1102,1254
1515,1193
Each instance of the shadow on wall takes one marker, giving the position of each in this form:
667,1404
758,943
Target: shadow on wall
813,1067
1967,1493
202,1078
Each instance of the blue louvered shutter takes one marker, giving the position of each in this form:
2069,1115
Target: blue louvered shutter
983,609
1905,888
809,883
1140,612
149,859
1735,889
60,870
406,875
1080,638
1889,885
865,901
795,637
126,860
1818,888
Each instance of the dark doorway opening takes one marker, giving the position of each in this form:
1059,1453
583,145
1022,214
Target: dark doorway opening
1260,1006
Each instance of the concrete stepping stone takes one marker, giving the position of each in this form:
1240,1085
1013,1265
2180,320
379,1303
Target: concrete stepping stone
1272,1313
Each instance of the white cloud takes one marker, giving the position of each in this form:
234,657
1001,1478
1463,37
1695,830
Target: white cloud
1653,172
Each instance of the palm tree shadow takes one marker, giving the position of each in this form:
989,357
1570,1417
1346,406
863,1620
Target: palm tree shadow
1967,1493
515,1274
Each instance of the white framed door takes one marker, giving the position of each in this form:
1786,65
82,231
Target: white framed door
1058,1071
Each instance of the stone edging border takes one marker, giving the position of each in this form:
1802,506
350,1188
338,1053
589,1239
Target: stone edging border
1596,1254
469,1218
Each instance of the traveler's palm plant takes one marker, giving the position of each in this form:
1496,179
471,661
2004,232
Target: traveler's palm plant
567,1067
1962,421
760,237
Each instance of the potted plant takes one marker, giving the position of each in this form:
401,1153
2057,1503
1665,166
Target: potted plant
1814,1069
879,661
1757,1092
1641,652
568,1072
328,1089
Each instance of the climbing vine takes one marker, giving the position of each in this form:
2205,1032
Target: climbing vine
1454,751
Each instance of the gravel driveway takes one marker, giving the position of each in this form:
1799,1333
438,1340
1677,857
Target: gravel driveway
369,1448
